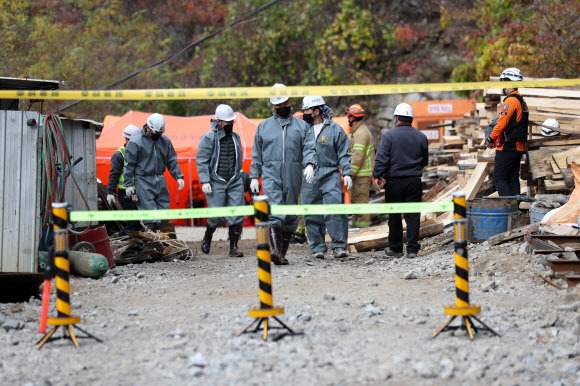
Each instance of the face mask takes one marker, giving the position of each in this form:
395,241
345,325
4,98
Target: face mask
228,128
155,136
308,118
283,112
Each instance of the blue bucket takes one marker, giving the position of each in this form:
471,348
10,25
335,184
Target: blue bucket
488,217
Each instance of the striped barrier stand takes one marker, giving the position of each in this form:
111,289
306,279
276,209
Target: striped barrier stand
462,307
267,309
62,270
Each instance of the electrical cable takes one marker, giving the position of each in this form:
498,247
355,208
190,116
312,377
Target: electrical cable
53,178
182,51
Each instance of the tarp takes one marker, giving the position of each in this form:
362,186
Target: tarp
185,134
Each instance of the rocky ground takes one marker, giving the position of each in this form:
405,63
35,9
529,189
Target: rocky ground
366,320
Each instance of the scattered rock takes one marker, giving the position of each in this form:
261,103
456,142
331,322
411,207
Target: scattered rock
568,307
305,317
140,275
329,297
197,360
488,285
177,334
115,279
446,368
571,368
11,324
373,310
132,312
411,275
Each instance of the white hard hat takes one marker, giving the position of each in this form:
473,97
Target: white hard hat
156,123
548,127
404,110
511,74
131,131
277,100
224,113
311,101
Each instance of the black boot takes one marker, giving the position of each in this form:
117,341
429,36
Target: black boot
235,231
286,237
276,246
206,242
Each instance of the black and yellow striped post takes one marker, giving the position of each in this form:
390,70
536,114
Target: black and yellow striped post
62,270
267,309
462,307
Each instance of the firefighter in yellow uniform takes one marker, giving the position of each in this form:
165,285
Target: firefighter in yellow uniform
362,149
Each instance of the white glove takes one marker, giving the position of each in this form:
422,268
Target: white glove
181,184
255,185
348,182
111,199
309,173
130,191
206,188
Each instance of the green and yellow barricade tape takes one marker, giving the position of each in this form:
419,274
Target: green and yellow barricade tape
232,211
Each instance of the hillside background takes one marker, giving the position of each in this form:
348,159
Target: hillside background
92,43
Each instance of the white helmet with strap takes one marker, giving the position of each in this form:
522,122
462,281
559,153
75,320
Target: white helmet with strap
131,131
156,123
511,74
311,101
549,126
403,110
225,113
280,99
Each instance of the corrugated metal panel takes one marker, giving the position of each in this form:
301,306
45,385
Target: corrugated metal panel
80,138
19,191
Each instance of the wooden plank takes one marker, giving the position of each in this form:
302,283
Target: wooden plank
383,242
513,234
555,167
453,140
439,186
561,157
481,171
554,185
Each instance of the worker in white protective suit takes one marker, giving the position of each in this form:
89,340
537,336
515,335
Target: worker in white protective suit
331,153
219,161
148,156
283,151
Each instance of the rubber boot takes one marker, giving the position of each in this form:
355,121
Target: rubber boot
286,237
276,245
206,242
235,231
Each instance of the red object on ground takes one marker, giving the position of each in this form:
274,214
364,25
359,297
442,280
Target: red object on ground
99,238
45,303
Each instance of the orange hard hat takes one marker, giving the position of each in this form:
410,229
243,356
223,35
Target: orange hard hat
356,111
298,114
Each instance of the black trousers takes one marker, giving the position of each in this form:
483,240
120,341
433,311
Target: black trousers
506,172
404,189
128,204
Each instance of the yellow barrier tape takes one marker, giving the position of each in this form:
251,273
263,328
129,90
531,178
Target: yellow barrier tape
267,92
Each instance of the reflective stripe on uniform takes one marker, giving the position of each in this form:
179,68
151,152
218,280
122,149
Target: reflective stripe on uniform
368,150
122,176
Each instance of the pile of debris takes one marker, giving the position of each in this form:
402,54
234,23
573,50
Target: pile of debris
149,246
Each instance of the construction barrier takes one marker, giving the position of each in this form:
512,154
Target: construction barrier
268,92
62,270
267,309
462,307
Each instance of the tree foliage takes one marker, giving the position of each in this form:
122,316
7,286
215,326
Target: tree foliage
539,37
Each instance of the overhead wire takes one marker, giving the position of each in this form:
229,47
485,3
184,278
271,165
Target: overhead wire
174,56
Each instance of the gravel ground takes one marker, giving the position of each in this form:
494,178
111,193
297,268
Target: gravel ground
366,320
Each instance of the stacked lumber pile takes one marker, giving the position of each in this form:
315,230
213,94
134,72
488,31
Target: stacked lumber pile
148,246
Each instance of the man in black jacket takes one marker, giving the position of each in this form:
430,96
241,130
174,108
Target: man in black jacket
401,157
116,179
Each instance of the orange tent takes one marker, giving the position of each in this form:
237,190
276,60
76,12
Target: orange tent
185,134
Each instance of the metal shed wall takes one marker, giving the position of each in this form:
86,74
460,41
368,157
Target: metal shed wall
80,138
19,191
